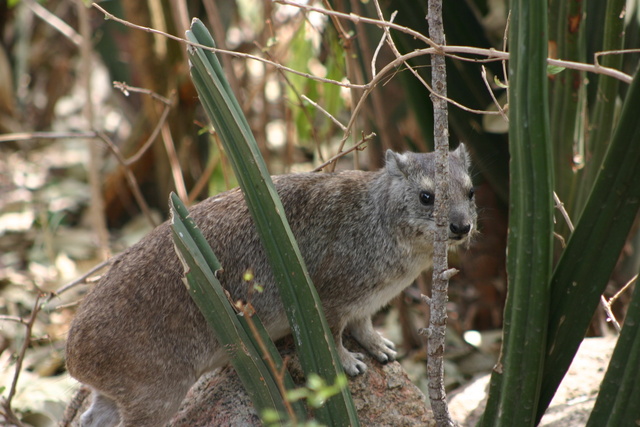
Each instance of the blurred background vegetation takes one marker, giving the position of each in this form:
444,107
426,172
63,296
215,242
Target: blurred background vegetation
68,200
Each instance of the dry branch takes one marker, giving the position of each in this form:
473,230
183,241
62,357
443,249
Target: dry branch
441,272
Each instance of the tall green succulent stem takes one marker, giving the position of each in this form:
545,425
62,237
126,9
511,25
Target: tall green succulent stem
515,382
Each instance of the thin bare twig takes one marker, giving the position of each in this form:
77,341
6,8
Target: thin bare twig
623,289
493,97
493,54
597,55
174,163
398,55
325,112
55,22
27,136
610,316
591,68
384,37
6,403
441,271
96,207
448,50
343,34
377,79
80,279
353,71
16,319
357,19
606,304
248,312
376,106
505,38
217,50
125,89
131,178
305,111
563,211
203,180
357,146
91,135
149,142
490,54
168,103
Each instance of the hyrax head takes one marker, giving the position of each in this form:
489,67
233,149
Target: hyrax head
414,185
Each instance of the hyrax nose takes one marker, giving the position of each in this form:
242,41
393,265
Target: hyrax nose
460,228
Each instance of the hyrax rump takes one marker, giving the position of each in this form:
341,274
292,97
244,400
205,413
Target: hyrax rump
139,341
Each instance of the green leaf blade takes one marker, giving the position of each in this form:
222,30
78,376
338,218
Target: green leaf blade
515,384
584,268
231,330
314,342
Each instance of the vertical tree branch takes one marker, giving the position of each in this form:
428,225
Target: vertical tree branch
96,208
438,301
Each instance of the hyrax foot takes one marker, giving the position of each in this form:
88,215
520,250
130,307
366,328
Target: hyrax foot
362,331
351,361
382,349
378,346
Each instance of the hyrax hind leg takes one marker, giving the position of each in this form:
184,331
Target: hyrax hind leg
145,405
102,412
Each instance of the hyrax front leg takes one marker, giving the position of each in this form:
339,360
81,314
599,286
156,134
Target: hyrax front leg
351,361
362,331
378,346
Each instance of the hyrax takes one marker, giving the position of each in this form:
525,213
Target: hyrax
139,341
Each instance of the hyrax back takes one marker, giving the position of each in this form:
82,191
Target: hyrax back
140,342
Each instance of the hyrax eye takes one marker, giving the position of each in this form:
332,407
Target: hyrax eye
472,192
426,198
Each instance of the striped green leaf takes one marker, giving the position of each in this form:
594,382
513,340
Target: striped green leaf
515,383
231,329
312,336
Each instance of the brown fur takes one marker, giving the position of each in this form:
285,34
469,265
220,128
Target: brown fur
139,340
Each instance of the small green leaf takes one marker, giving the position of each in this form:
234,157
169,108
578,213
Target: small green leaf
499,83
248,276
269,416
554,69
297,394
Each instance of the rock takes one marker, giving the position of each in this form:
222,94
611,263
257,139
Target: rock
573,400
383,396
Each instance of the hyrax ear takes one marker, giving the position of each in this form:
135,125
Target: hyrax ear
396,164
462,153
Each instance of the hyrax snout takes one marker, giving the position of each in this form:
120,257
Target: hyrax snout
139,341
